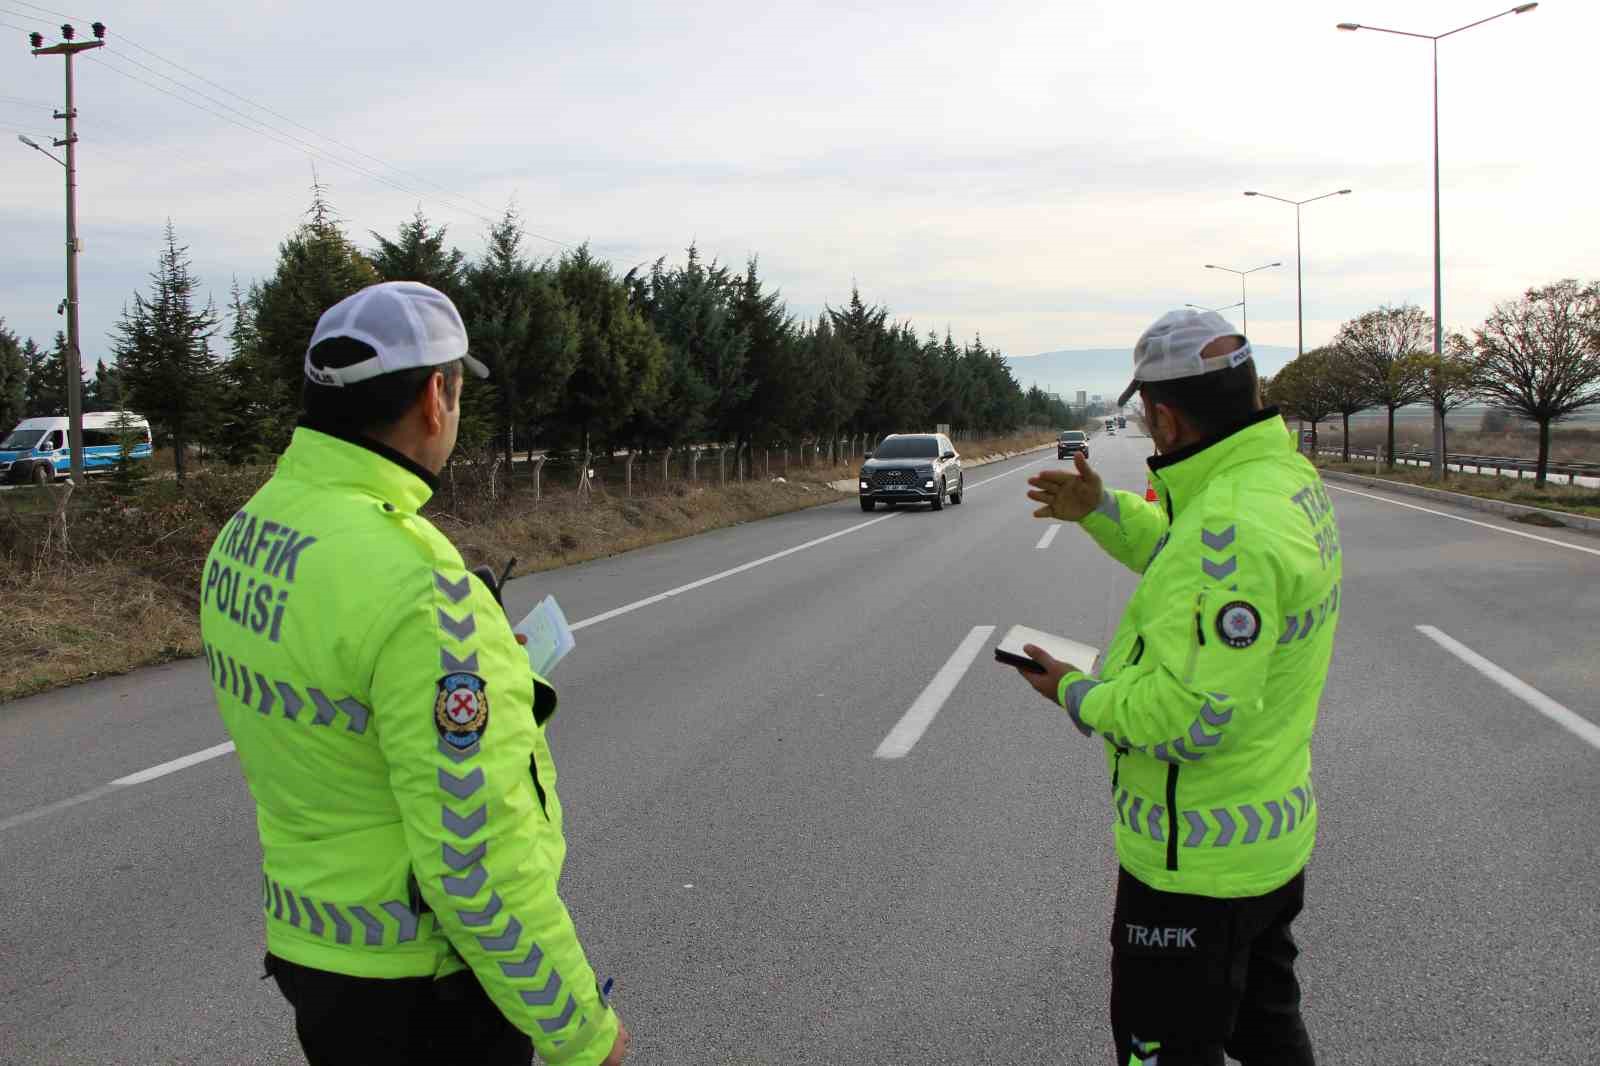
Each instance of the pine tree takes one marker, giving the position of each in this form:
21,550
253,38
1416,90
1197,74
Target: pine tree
127,473
105,391
777,399
163,349
862,330
46,389
620,358
420,254
838,375
13,380
317,267
690,308
258,418
520,325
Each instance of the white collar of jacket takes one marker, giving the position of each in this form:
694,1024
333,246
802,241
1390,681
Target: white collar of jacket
1181,475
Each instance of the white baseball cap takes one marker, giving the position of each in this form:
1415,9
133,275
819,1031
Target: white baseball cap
1171,349
406,323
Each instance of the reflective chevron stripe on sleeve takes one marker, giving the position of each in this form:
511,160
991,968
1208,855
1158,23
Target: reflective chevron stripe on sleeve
1072,696
1197,743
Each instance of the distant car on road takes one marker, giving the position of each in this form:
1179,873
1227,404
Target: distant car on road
1072,440
911,468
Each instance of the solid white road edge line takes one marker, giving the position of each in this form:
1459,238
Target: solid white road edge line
1049,535
1581,727
174,765
629,608
904,736
139,778
1469,521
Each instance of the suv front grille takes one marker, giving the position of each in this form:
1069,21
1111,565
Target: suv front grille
894,479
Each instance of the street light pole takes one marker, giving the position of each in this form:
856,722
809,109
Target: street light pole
67,48
1299,277
1244,299
1438,285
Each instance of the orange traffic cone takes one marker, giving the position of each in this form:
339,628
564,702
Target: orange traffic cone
1149,493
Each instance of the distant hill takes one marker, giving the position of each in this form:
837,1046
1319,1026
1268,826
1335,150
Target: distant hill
1106,370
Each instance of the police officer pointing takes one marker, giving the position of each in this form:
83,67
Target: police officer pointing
1205,702
390,729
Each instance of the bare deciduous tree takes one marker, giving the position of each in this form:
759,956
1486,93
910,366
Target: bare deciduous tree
1390,346
1303,389
1348,389
1540,356
1453,379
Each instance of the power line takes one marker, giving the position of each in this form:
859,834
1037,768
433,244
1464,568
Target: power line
265,131
283,135
454,199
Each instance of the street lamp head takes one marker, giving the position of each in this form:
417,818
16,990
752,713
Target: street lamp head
29,141
1352,26
1344,192
1523,9
1252,194
1212,266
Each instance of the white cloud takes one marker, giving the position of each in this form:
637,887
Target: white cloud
1052,177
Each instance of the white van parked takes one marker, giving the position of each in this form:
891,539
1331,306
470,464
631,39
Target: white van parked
37,450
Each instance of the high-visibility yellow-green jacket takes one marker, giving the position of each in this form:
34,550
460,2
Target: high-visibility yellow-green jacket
1207,695
385,719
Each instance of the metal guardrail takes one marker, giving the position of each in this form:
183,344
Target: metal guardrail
1479,463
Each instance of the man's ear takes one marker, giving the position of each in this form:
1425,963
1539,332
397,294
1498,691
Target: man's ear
436,401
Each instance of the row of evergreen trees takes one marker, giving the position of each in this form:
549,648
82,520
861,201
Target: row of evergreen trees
581,357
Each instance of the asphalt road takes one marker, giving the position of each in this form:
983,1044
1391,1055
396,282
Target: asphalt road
766,890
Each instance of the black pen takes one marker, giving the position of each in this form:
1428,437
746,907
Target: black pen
504,574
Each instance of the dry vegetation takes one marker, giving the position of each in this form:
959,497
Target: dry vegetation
1568,444
1576,499
123,593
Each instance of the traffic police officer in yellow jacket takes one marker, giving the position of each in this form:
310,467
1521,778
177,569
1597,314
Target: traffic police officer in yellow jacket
1205,701
391,730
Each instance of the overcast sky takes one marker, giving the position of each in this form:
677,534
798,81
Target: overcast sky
1052,175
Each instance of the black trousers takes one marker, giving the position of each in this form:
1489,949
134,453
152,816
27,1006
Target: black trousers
408,1021
1193,977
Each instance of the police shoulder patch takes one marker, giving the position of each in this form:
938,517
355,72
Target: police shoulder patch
1238,624
461,709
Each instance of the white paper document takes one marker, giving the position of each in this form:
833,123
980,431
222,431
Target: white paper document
545,636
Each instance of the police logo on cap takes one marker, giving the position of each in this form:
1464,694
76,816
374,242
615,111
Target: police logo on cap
1238,624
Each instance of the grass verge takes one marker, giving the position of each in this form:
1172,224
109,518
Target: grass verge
1574,499
125,594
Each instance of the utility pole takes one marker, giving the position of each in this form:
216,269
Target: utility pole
67,48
